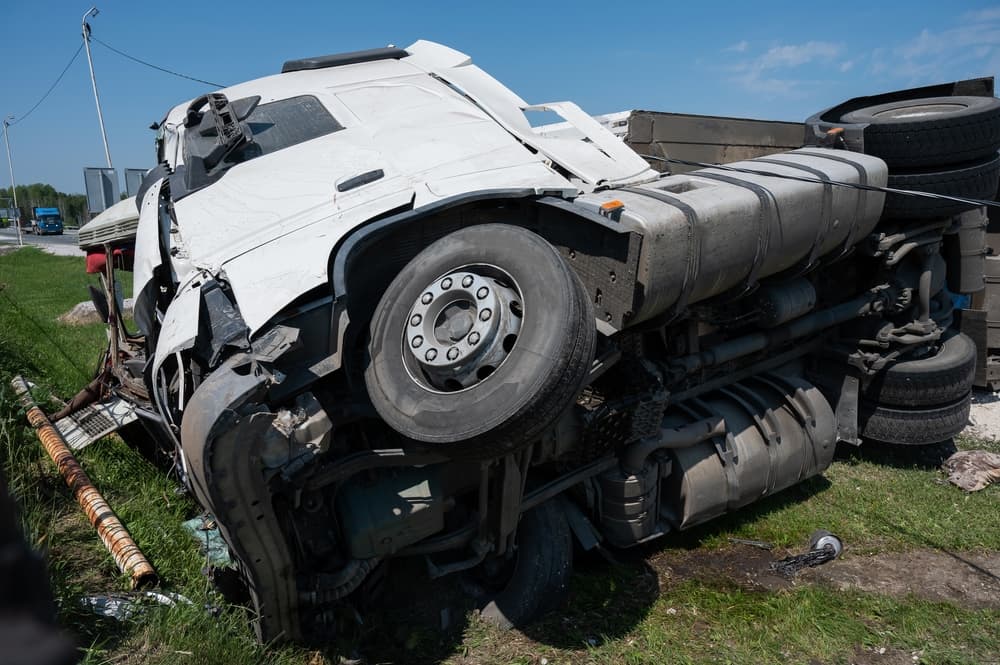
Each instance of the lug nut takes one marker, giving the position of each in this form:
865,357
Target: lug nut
485,315
482,292
452,353
431,354
417,341
446,283
415,320
467,281
473,338
426,298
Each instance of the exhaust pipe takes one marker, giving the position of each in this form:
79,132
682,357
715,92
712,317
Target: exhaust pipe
113,534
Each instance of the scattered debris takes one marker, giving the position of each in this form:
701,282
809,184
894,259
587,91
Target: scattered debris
123,606
205,530
823,547
972,470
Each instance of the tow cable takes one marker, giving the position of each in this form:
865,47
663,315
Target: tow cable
823,547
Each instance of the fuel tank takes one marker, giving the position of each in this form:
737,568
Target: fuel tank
711,231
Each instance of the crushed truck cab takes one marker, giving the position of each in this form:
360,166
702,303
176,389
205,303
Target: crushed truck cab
380,315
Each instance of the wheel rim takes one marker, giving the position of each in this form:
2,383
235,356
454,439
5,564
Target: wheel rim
462,327
918,111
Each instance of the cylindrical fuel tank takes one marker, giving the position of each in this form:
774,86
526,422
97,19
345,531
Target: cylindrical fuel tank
780,430
712,230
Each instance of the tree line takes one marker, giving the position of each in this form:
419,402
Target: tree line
40,195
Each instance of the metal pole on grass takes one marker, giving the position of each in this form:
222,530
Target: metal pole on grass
93,11
13,186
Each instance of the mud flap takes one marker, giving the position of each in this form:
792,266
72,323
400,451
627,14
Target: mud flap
847,411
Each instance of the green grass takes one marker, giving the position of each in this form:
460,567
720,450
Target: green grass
698,622
628,613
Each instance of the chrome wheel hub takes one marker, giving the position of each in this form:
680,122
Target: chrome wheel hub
462,327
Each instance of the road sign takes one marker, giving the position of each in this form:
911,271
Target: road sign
133,178
102,188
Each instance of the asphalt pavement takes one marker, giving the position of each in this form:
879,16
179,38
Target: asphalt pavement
63,245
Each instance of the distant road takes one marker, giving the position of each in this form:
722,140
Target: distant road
64,245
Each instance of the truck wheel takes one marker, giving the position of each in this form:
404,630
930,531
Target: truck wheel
930,131
942,378
480,342
913,427
976,180
536,578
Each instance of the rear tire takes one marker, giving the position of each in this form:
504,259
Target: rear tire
943,378
913,427
930,131
973,180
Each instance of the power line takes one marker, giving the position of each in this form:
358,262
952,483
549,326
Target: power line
149,64
24,116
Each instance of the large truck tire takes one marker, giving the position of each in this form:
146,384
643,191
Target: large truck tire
480,342
913,427
933,131
538,575
943,378
975,180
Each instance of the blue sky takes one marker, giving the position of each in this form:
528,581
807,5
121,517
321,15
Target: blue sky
774,60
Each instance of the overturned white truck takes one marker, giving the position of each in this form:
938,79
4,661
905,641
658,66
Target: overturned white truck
380,315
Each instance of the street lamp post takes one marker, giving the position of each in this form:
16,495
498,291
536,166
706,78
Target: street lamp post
13,186
93,11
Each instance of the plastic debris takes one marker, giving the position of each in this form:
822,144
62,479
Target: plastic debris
972,470
123,606
205,530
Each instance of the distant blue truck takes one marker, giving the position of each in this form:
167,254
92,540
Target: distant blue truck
46,221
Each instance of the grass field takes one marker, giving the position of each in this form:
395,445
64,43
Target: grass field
692,598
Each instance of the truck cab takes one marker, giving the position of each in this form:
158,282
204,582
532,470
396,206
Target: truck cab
47,221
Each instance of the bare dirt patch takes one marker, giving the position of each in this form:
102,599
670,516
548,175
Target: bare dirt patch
746,566
883,656
984,417
967,580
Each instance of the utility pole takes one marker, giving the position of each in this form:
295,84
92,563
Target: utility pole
13,186
93,11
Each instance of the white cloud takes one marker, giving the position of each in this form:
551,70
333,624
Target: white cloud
794,55
934,55
982,15
772,72
966,46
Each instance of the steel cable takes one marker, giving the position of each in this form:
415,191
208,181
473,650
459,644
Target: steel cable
851,185
51,87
